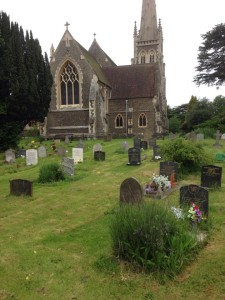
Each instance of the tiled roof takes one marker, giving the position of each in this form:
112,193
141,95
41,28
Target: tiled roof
101,57
135,81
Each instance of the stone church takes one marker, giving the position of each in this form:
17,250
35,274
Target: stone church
93,97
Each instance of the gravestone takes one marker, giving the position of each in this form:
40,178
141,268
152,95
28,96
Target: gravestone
67,139
170,169
80,144
200,137
21,153
125,146
144,145
223,137
10,156
31,157
78,154
156,152
197,194
131,191
137,143
134,156
192,136
42,151
217,143
68,165
61,151
20,187
99,155
97,147
211,176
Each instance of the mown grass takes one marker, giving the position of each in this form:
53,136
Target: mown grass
56,244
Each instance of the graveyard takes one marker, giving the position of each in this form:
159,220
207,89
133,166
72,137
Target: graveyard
55,237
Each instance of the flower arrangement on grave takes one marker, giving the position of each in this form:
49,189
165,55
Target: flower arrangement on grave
195,214
157,183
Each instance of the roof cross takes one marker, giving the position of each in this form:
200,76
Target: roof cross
67,24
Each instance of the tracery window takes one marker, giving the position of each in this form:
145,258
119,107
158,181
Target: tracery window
142,120
143,59
119,121
69,85
152,57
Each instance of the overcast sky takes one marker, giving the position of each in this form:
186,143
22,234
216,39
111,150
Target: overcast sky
183,23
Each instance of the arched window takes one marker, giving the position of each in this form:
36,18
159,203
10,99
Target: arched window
69,85
119,121
152,57
142,59
142,120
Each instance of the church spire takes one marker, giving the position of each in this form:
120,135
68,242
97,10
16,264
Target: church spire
148,29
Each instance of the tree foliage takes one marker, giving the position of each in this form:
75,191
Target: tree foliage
25,81
211,58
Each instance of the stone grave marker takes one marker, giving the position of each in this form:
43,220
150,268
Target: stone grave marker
144,145
200,136
218,136
223,137
137,143
192,136
21,153
211,176
68,165
20,187
197,194
61,151
99,155
170,169
131,191
10,156
97,147
134,156
78,154
67,139
125,146
31,157
156,152
42,151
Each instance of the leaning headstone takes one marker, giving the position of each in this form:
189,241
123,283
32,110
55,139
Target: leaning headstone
42,151
169,169
61,151
20,187
137,143
10,156
218,136
99,155
31,157
78,154
21,153
134,156
200,136
211,176
195,194
144,145
131,191
97,147
68,165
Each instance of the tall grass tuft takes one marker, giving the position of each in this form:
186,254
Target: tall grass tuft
151,236
50,173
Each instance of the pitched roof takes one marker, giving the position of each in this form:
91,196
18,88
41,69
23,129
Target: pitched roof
101,57
135,81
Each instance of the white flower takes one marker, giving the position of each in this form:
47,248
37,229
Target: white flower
178,212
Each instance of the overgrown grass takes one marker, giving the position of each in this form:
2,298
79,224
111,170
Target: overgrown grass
57,244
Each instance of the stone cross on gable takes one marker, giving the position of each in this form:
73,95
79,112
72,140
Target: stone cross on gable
94,35
67,25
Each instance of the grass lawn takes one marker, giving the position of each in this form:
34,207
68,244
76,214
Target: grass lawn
56,244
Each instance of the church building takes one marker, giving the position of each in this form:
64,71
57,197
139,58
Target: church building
93,97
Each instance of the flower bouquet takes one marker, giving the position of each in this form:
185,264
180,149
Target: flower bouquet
195,214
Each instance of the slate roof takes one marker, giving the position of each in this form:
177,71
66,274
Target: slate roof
135,81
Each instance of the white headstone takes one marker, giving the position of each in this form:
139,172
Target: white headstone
31,157
78,154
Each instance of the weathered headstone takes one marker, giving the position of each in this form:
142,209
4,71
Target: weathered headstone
218,136
67,139
78,154
144,145
195,194
125,146
97,147
137,143
170,169
68,165
31,157
223,137
61,151
21,153
10,156
42,151
211,176
200,136
99,155
156,152
192,136
131,191
20,187
134,156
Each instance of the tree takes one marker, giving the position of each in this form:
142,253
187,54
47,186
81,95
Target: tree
211,58
25,81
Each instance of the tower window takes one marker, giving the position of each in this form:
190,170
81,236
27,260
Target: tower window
69,85
119,121
142,120
142,59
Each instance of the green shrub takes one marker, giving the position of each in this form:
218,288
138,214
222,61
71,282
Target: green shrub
151,236
190,156
50,173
